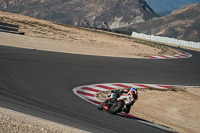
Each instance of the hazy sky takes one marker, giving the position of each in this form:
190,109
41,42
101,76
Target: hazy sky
169,5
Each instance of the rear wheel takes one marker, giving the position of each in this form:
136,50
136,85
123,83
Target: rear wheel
117,107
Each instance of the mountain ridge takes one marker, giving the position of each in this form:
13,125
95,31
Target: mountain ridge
181,24
106,14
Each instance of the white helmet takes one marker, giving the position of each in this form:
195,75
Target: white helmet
134,93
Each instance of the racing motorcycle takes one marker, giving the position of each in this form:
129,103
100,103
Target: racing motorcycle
114,106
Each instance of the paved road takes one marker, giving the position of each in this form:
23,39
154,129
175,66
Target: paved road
40,83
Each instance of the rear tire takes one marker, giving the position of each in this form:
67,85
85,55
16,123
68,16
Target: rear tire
117,107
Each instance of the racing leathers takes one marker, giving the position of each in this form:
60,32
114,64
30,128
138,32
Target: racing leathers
115,94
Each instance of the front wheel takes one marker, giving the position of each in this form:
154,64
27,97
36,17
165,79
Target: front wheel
100,107
117,107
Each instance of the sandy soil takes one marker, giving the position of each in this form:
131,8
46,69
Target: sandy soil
177,109
16,122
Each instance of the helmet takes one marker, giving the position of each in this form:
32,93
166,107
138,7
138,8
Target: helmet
134,93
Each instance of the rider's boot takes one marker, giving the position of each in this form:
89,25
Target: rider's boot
126,110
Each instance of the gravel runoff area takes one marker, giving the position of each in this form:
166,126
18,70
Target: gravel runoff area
16,122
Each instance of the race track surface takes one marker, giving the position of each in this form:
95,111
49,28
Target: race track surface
40,83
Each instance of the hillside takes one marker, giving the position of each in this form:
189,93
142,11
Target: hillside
180,24
88,13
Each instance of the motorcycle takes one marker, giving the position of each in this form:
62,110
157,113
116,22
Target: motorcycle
115,106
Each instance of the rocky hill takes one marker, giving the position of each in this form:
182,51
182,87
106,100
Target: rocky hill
181,24
88,13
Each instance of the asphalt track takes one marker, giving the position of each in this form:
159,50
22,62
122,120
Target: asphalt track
40,83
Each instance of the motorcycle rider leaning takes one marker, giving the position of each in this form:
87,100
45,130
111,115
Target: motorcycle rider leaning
115,94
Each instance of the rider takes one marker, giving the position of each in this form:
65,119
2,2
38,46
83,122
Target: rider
116,94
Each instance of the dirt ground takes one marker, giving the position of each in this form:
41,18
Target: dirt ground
15,122
176,109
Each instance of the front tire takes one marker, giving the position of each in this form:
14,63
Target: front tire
100,107
117,107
